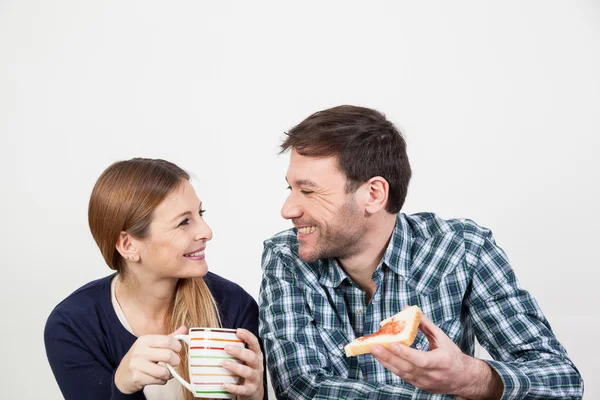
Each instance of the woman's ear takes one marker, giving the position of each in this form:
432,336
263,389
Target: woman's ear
377,190
126,247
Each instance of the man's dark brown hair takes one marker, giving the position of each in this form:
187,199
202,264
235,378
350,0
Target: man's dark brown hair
365,143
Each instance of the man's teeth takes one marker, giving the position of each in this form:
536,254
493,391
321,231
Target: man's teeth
196,254
307,229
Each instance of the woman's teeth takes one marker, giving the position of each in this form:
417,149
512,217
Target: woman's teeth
196,254
307,229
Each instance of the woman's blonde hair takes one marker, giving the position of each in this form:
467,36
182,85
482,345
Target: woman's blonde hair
123,200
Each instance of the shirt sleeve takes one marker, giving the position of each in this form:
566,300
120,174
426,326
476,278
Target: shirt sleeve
297,360
511,327
79,372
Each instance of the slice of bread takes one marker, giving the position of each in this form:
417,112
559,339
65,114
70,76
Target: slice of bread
400,328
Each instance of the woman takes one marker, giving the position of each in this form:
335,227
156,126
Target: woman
111,338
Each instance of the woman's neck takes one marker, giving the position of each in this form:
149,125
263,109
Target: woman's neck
145,302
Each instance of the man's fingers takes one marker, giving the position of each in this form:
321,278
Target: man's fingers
391,361
392,368
415,357
434,335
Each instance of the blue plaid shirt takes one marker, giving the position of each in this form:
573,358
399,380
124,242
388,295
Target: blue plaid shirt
452,269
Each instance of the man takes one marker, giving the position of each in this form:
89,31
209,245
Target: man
352,260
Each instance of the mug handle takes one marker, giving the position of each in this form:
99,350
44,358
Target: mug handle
187,385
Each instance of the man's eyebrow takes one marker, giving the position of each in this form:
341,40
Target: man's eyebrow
305,182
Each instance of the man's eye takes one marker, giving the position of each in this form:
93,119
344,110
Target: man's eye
201,212
184,222
289,188
306,191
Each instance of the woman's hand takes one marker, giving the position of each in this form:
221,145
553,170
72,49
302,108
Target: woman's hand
252,387
140,366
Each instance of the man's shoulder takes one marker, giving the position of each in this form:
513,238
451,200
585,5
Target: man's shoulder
286,241
428,225
287,237
281,254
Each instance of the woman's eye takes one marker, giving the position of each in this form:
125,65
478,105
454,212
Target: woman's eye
201,212
184,222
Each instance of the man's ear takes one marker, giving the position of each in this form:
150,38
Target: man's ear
126,247
376,192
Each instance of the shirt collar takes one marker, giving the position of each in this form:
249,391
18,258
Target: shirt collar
332,274
396,256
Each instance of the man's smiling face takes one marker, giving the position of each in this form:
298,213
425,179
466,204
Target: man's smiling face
330,223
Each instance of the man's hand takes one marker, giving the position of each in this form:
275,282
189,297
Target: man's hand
442,369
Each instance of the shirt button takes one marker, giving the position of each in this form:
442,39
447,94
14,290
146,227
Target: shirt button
359,311
420,346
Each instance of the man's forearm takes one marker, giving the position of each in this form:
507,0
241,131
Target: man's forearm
310,387
482,382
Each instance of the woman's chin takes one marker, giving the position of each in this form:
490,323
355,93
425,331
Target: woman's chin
197,271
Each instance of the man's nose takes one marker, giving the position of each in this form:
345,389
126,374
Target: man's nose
291,209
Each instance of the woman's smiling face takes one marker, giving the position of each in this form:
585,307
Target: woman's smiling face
178,235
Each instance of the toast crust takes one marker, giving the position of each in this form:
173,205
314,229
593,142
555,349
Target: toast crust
362,345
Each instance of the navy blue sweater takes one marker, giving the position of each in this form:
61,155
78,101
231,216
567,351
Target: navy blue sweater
85,341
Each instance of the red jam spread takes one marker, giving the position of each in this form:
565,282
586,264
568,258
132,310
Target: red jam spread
391,328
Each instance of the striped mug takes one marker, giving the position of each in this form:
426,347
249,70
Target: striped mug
205,359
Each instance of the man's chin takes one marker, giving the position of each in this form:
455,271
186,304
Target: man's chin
308,256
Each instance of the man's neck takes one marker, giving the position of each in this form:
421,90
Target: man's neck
361,266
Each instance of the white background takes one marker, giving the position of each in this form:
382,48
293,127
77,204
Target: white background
499,101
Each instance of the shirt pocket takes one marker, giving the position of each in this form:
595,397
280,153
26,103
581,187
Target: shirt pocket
421,343
431,268
333,342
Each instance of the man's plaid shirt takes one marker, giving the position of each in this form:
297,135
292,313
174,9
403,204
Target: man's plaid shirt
452,269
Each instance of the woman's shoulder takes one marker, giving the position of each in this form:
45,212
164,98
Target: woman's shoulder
235,304
217,281
217,285
84,303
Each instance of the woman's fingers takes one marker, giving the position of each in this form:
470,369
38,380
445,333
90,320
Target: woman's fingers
162,342
167,356
180,331
252,355
249,338
241,390
155,371
240,370
243,354
251,372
